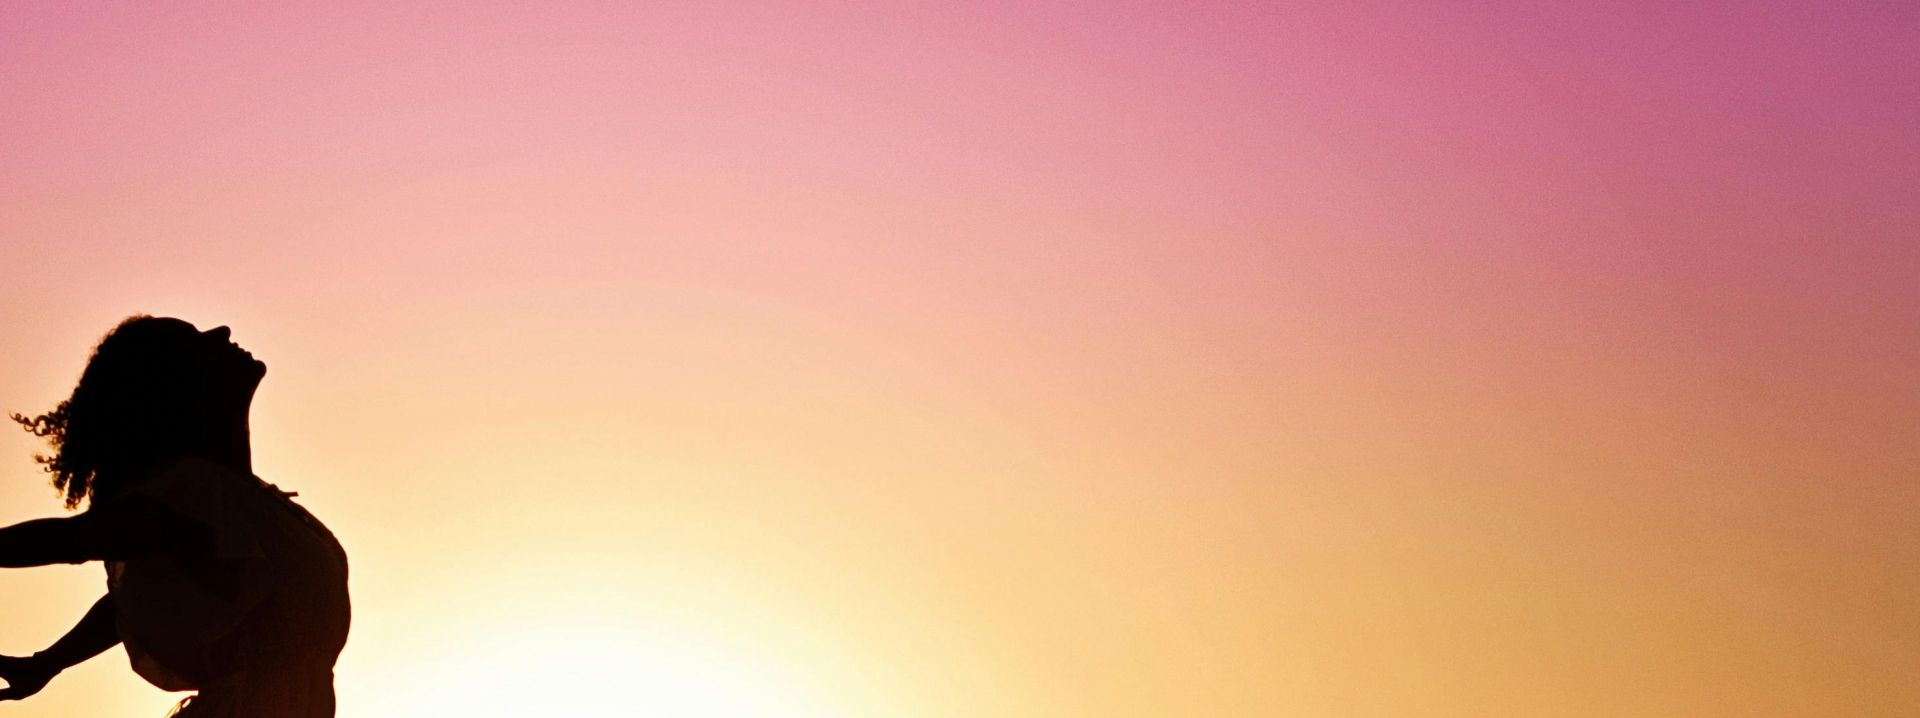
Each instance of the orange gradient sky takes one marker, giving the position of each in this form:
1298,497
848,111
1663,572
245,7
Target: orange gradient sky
1022,360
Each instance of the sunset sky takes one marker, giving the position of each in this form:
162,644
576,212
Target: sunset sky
1018,359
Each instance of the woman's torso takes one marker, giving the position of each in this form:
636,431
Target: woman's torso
266,593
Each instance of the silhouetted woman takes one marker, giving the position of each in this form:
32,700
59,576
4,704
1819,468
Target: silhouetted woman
216,581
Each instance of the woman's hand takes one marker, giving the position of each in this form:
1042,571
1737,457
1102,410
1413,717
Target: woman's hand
24,676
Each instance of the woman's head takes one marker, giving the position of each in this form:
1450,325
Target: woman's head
154,389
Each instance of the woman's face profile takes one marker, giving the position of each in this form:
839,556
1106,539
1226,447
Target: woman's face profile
231,372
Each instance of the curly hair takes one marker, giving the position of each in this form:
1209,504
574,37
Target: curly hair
139,402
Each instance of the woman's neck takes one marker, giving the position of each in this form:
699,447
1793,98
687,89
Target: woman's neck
232,448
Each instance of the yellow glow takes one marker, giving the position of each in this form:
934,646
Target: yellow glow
602,665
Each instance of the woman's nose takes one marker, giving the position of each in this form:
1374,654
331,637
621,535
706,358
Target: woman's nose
221,333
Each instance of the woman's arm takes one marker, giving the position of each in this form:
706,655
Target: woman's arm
93,635
125,528
40,542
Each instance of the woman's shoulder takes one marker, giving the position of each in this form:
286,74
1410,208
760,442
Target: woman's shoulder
187,467
207,493
187,476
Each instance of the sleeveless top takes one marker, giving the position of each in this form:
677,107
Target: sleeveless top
272,597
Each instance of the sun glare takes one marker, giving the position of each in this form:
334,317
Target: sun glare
616,669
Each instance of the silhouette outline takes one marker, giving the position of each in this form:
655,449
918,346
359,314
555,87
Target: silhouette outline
217,581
